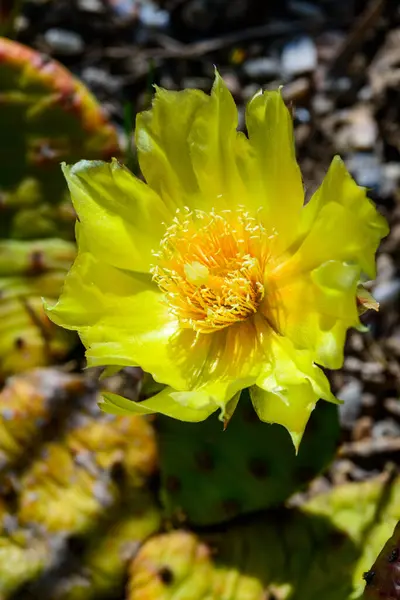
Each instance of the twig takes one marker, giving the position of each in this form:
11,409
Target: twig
367,21
198,49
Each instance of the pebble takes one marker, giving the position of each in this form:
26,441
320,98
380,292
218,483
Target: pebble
356,342
299,56
390,179
352,364
322,104
302,114
152,16
306,10
393,344
387,292
386,268
91,6
392,405
351,394
62,41
366,168
124,8
262,68
362,130
95,77
362,428
373,371
386,428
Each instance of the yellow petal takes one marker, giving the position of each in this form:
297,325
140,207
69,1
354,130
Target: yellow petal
213,141
184,406
315,309
288,366
278,183
194,160
215,366
122,218
162,139
339,223
121,318
290,407
288,387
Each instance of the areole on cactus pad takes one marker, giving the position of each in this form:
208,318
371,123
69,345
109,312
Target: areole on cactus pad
214,276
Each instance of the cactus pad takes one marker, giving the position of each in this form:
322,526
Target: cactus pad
71,485
77,501
210,475
318,551
29,403
46,116
383,579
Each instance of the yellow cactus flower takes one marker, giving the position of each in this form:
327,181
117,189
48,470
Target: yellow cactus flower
213,276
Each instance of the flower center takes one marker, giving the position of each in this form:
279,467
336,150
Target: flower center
211,267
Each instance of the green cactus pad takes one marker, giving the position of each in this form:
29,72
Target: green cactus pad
313,553
99,569
210,475
383,579
72,485
29,270
21,557
47,116
28,403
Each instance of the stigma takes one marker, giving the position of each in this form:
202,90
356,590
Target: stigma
210,266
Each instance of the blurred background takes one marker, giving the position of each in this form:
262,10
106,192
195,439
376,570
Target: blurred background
94,506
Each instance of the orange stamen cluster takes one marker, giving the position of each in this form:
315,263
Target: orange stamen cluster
211,267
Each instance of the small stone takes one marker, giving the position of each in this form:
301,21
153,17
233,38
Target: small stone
262,68
62,41
306,10
392,405
362,429
356,342
368,400
362,128
366,169
322,105
386,268
152,16
302,115
299,56
92,6
125,9
99,78
351,394
386,428
373,371
387,292
390,179
352,364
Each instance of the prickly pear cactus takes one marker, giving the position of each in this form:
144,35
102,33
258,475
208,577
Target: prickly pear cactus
21,557
318,551
28,404
210,475
383,579
46,117
76,487
29,270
